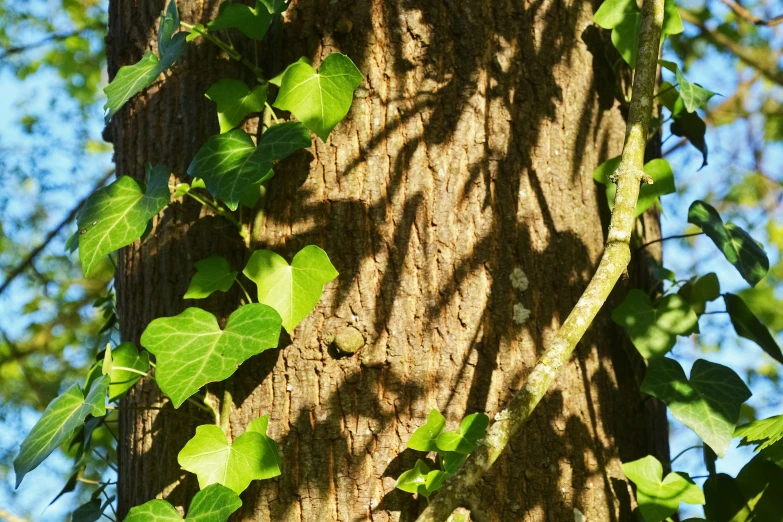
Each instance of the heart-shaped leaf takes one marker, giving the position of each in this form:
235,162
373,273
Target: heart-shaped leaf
699,291
191,349
693,95
709,403
421,480
654,329
212,504
252,456
754,496
235,101
660,497
132,79
747,325
117,215
737,246
425,437
684,123
212,274
659,170
253,22
125,368
62,417
293,290
275,6
320,99
471,430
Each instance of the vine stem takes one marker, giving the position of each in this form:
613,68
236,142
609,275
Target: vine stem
615,259
679,236
225,405
222,212
229,48
244,290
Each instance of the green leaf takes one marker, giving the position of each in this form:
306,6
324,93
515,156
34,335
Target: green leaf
235,101
277,80
132,79
699,291
421,480
660,497
452,461
737,246
125,356
62,417
212,504
748,326
293,290
88,512
116,216
659,170
709,403
192,350
690,125
471,430
764,432
281,140
223,162
212,274
654,329
753,496
723,496
252,456
320,99
613,12
275,6
672,23
693,95
253,22
423,439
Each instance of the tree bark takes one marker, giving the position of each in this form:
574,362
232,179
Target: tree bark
457,202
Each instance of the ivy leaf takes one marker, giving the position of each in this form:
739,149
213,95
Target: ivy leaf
425,437
88,512
277,80
737,246
764,432
623,17
699,291
252,456
471,430
753,496
654,329
212,504
222,162
293,290
116,216
212,274
320,99
748,326
693,95
660,497
659,170
132,79
275,6
709,403
192,350
421,480
62,417
452,461
235,100
125,356
281,140
253,22
689,125
724,498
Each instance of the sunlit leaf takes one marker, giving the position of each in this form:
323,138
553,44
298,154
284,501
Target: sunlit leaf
191,350
709,403
693,95
471,430
293,290
62,418
660,497
421,480
763,432
658,169
320,99
425,437
212,504
126,356
253,22
116,216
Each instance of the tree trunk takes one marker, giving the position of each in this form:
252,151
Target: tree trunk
457,202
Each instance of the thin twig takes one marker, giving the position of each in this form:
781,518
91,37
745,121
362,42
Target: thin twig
28,260
617,255
750,17
51,38
681,236
683,452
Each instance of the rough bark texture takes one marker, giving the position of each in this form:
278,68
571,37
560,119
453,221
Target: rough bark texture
463,168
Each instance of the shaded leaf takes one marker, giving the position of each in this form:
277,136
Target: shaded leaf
293,290
747,325
191,349
212,274
235,101
116,216
320,99
660,497
125,356
737,246
659,170
709,403
654,329
471,430
253,22
699,291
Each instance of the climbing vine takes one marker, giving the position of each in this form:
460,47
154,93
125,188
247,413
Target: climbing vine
186,353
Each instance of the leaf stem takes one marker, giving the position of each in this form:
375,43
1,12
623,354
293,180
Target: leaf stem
222,212
132,370
680,236
615,259
201,406
271,112
225,405
247,296
105,459
228,48
686,450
